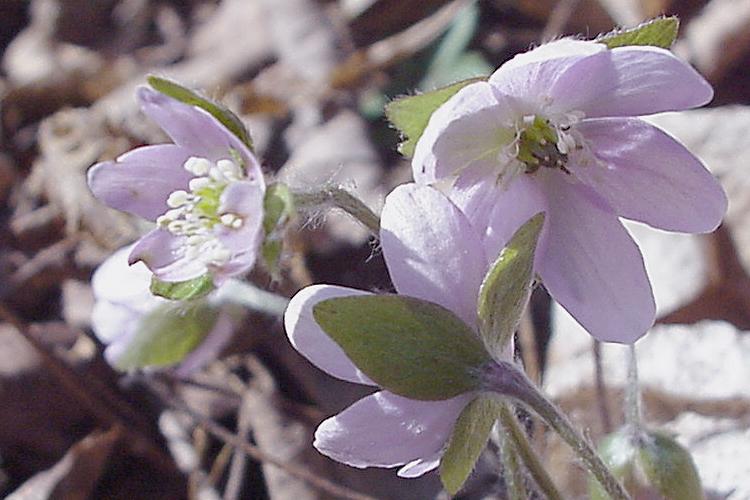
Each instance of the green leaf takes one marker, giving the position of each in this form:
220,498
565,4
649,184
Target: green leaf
659,32
669,467
410,114
279,209
183,290
271,250
469,438
278,206
506,287
218,111
408,346
167,335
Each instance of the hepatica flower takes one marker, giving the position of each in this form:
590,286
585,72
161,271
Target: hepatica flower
432,253
555,130
140,329
204,192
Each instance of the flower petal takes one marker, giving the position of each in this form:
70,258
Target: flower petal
466,131
431,250
557,49
140,181
591,266
113,323
118,282
647,80
195,129
420,466
311,341
496,212
245,199
648,176
548,78
162,252
385,430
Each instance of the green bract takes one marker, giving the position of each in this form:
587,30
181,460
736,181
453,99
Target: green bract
410,114
408,346
168,334
187,96
279,208
469,438
183,290
506,287
659,32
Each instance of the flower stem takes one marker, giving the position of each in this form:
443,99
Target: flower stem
505,379
601,388
633,394
252,297
521,445
338,197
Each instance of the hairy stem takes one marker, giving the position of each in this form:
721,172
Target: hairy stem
521,445
601,388
338,197
252,297
633,394
505,379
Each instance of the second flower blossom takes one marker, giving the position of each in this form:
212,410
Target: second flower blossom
205,192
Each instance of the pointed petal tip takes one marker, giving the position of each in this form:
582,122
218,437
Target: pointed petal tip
146,94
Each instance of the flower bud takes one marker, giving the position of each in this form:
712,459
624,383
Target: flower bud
650,464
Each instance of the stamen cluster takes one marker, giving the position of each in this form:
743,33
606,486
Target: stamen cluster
195,214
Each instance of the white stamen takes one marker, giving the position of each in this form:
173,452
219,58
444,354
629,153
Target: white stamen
228,219
229,169
177,199
198,183
198,166
216,175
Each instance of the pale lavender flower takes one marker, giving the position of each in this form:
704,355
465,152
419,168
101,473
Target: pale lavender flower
432,253
205,193
123,299
554,130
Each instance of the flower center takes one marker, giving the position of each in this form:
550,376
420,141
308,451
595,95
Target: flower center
540,142
195,214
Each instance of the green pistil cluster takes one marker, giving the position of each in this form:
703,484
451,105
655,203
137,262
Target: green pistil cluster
208,205
538,146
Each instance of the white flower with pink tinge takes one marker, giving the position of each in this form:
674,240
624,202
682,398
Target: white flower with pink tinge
554,130
123,300
433,253
205,193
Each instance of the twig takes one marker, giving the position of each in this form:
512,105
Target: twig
256,453
717,39
220,464
54,255
239,459
601,388
558,19
384,53
85,397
